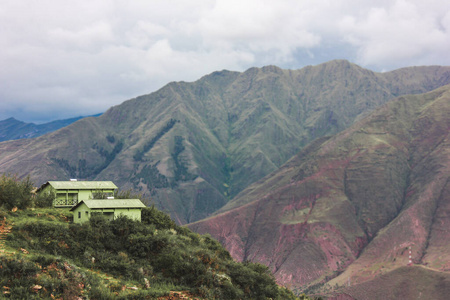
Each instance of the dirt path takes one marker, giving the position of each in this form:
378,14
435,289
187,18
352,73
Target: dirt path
5,229
183,295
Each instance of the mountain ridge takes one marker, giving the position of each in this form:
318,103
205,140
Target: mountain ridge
194,146
13,129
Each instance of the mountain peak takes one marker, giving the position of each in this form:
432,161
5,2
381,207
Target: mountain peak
10,120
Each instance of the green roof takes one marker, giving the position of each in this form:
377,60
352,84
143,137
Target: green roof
111,203
80,185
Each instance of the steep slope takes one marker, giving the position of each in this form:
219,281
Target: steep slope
12,129
415,282
194,146
354,202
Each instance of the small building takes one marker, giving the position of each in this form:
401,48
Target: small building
69,193
111,208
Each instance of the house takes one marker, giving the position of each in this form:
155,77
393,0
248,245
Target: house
69,193
111,208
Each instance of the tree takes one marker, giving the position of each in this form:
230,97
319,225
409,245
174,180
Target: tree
15,192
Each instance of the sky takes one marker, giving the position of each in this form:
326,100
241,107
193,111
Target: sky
61,59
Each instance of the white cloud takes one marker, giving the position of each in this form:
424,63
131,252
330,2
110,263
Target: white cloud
86,39
65,58
404,33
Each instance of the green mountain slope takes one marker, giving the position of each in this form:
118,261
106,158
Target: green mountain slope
351,204
193,146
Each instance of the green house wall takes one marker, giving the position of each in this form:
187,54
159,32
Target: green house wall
83,213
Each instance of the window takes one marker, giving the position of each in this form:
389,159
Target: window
79,214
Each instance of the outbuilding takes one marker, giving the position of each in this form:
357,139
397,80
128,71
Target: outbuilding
69,193
111,208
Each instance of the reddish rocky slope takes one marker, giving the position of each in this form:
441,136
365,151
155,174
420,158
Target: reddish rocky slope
352,203
415,282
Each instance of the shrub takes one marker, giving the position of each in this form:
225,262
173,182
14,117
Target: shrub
15,192
151,215
99,194
254,279
44,199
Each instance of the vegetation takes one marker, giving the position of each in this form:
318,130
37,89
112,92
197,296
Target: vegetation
151,177
111,138
103,259
149,145
65,165
109,156
15,192
44,199
82,169
181,171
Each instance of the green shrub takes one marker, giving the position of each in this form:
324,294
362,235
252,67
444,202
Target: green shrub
151,215
15,192
17,268
99,194
44,199
254,279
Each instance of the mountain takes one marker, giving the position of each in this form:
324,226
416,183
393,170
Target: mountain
194,146
12,129
348,208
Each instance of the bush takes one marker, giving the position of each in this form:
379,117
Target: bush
254,279
151,215
44,199
15,192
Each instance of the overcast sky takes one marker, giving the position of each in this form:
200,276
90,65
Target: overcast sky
61,59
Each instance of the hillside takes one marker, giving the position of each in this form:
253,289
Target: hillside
45,256
194,146
415,282
352,204
12,129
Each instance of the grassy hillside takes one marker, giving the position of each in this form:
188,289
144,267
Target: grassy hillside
352,204
194,146
45,256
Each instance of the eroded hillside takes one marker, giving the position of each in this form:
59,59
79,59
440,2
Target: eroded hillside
352,204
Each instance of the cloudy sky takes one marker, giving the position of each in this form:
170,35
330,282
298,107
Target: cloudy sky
61,59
